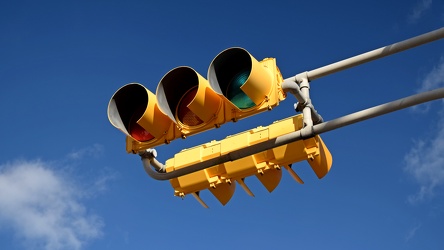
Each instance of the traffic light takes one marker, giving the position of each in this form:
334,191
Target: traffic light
186,103
134,110
221,180
247,86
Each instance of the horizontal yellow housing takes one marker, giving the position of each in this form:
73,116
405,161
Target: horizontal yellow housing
211,107
266,166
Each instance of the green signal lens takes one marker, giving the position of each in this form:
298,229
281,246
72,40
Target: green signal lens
235,94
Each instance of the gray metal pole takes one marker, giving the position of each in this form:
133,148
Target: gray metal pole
369,56
148,159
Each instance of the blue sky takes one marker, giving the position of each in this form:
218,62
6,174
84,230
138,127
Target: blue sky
66,181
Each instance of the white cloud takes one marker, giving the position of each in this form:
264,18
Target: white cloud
100,183
418,10
433,80
412,232
43,208
425,161
102,176
94,151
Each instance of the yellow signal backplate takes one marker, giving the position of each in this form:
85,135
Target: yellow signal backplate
217,115
265,165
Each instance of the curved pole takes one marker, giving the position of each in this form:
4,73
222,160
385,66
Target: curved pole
304,100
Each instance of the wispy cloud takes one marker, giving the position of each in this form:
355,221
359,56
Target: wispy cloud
101,182
44,208
102,175
433,80
425,161
412,232
419,9
89,151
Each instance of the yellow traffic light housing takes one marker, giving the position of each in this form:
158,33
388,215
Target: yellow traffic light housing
134,110
186,103
266,165
247,86
186,97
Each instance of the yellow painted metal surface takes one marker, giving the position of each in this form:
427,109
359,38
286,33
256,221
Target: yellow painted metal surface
134,103
266,165
263,86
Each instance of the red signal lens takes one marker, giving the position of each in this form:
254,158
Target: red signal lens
185,115
140,134
136,131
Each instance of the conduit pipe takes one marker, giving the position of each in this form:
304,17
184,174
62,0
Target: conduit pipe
302,94
148,156
369,56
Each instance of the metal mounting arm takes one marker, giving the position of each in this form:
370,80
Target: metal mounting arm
301,90
299,86
148,156
369,56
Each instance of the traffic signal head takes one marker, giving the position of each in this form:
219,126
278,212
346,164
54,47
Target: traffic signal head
238,76
186,103
134,110
186,97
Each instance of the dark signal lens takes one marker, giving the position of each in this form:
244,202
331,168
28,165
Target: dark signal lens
185,115
236,95
140,134
136,131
